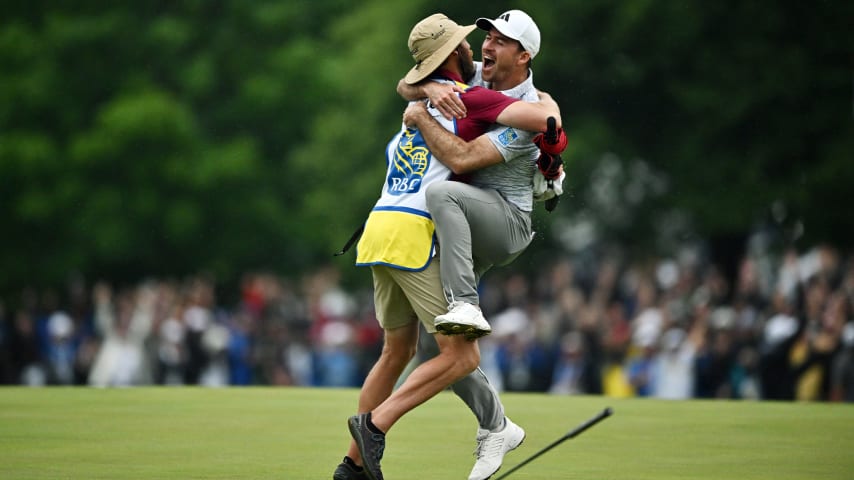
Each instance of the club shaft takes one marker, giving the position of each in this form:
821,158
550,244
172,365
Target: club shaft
572,433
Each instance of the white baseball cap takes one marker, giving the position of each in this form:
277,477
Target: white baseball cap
517,25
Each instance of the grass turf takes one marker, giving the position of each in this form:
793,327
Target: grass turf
300,433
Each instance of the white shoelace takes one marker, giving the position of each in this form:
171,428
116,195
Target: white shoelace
487,448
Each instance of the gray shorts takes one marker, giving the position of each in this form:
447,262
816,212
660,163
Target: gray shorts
402,297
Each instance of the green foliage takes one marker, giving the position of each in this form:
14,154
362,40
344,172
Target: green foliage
734,102
343,159
168,138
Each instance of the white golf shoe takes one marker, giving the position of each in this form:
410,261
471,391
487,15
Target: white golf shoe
491,448
463,319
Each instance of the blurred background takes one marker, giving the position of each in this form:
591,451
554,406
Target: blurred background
175,176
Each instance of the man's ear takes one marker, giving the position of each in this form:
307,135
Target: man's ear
525,57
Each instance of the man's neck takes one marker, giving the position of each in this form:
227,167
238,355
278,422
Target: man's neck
452,74
511,81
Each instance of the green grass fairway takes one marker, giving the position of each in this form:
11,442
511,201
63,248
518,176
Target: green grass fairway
297,433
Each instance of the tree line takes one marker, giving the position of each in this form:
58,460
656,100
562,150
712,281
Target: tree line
164,138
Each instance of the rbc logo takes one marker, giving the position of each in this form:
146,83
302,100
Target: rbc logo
411,159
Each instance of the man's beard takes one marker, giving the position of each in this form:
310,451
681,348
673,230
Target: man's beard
467,68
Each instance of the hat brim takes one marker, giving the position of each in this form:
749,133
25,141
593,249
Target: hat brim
485,24
499,24
425,68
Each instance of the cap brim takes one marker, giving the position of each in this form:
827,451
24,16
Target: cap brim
485,24
424,69
502,26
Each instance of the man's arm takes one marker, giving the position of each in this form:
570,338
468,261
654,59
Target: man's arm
443,96
457,154
531,116
463,157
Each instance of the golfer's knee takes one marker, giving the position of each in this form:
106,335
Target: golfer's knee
466,359
438,193
398,354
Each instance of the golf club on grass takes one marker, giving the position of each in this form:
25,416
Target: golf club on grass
572,433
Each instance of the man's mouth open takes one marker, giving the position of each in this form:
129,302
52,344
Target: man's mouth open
488,63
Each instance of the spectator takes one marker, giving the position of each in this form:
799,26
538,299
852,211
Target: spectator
171,352
526,362
674,365
25,358
197,317
777,376
5,331
714,364
843,368
61,349
124,323
240,348
575,372
641,369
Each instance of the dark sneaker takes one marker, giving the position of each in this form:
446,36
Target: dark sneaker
345,471
371,445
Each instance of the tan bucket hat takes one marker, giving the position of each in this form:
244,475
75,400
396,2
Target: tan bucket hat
430,43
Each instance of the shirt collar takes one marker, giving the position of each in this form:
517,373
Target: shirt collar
447,74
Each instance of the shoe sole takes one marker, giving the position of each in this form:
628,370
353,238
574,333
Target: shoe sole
354,432
470,332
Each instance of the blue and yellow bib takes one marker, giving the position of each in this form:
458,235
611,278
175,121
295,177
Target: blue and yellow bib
399,231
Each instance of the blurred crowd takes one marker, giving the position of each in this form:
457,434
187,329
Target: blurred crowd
780,327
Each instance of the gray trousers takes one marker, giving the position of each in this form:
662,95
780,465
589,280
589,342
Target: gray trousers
476,229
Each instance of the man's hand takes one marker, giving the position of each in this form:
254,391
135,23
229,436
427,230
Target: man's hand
412,113
550,165
544,96
553,141
444,97
441,95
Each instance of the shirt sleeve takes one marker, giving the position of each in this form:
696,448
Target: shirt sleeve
513,143
484,105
